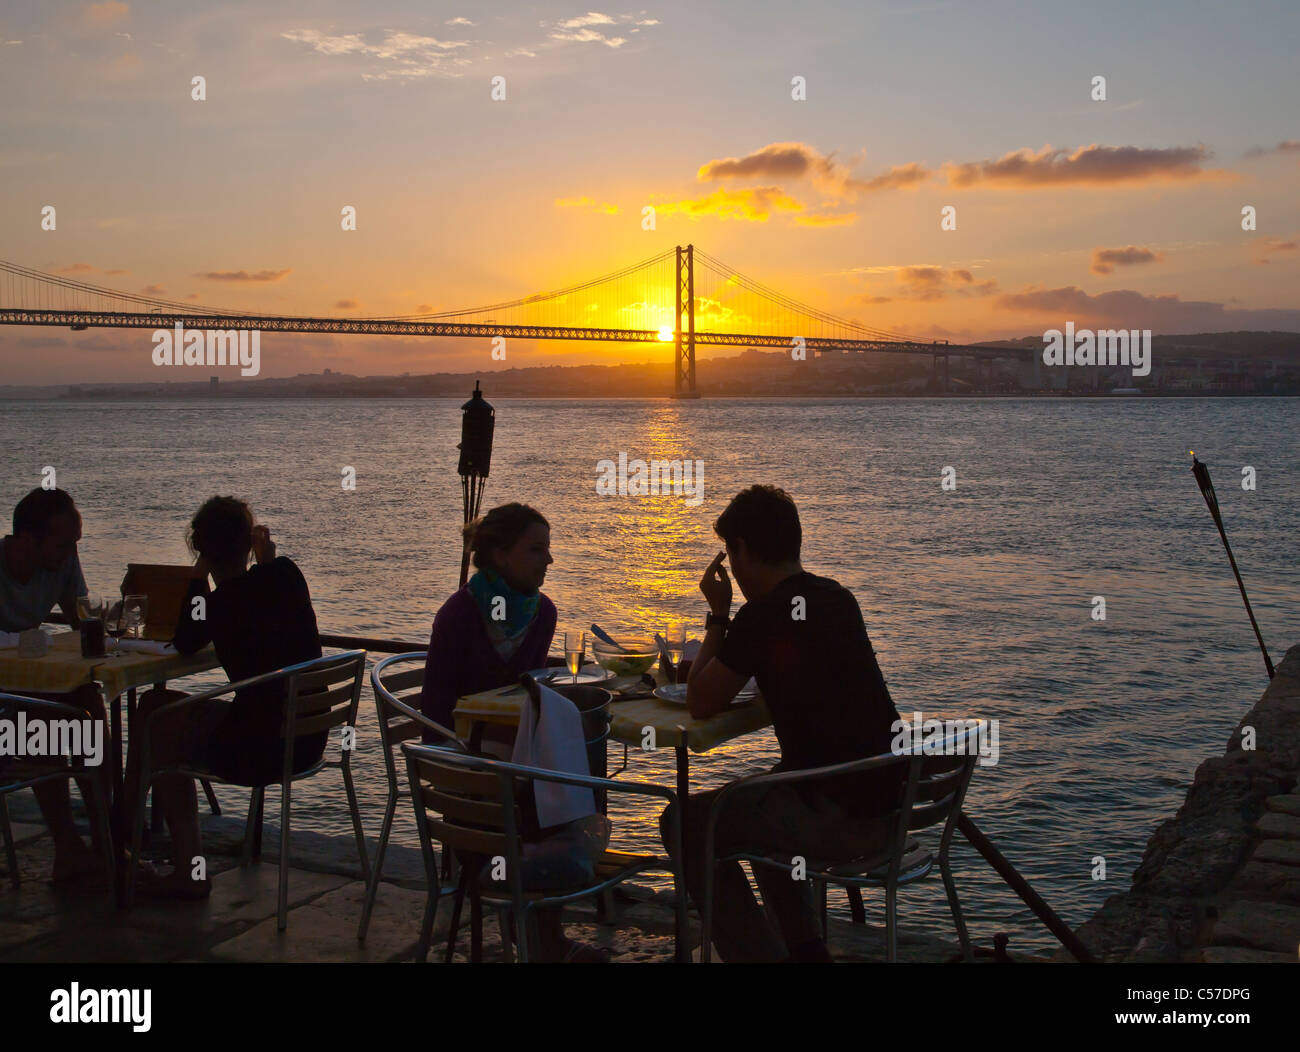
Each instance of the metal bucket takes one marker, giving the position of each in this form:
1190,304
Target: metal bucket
593,706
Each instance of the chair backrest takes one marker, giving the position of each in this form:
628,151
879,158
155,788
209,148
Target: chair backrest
397,682
323,693
66,723
465,803
938,785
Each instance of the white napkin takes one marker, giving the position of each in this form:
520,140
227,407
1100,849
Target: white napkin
146,646
8,639
555,743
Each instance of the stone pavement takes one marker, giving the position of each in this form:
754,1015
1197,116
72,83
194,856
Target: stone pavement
238,922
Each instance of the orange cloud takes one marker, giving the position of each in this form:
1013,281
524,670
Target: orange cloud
243,275
1126,308
152,290
1274,245
1087,166
797,160
588,203
844,219
74,268
346,304
756,204
1105,260
107,13
929,283
1285,146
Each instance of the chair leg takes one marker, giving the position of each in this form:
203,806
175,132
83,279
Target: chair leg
426,926
11,855
856,910
475,924
505,920
213,804
356,819
456,905
253,827
284,855
891,923
963,936
137,839
372,885
104,835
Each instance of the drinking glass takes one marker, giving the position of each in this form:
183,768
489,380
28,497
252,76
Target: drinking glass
135,609
114,623
90,606
575,648
675,637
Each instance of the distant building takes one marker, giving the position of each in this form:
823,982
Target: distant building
212,382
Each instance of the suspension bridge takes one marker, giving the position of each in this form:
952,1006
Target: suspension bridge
683,296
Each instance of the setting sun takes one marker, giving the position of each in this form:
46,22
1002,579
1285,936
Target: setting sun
665,334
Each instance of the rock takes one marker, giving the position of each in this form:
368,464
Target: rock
1280,826
1285,852
1267,881
1241,955
1259,926
1287,805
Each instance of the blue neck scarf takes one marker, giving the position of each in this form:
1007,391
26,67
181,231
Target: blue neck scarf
488,586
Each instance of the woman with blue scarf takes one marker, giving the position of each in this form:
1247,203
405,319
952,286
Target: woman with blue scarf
499,625
487,634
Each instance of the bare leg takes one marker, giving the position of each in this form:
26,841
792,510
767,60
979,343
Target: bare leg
175,795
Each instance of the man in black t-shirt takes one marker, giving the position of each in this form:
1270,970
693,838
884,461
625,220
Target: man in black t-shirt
803,640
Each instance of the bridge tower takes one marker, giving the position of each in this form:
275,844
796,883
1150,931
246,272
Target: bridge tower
684,353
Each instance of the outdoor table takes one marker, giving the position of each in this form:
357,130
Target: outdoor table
672,724
63,670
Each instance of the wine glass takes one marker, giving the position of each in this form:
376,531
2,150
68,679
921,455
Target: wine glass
89,607
675,637
575,648
135,610
115,623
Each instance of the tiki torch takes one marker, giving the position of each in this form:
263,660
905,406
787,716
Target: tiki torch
477,422
1202,474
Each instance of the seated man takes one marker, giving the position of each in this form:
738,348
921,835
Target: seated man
803,640
38,569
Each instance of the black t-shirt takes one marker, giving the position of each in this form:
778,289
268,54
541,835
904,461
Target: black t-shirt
257,622
816,670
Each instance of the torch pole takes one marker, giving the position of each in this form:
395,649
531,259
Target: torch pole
1202,474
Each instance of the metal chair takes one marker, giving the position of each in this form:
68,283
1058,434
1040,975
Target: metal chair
477,801
932,792
320,695
398,722
22,775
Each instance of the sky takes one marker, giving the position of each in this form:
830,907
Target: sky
1122,211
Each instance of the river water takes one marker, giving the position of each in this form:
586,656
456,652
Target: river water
979,599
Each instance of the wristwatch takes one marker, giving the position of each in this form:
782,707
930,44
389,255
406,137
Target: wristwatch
716,619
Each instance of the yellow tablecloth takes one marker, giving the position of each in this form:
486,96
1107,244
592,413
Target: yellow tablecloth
63,669
60,671
630,719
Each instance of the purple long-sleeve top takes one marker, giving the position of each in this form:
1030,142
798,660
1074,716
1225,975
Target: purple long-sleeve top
462,659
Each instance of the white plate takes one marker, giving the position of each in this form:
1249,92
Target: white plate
586,674
675,693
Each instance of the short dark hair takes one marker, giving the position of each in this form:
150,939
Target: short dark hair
222,530
34,513
500,528
766,518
